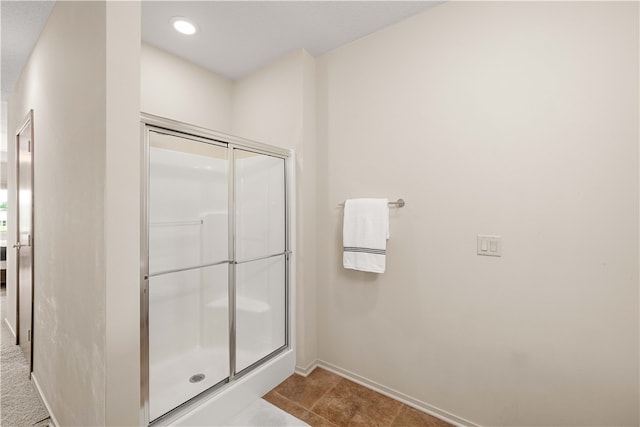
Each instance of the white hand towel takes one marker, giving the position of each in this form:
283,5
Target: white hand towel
365,233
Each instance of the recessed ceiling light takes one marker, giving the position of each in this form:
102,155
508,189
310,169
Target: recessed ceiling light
184,26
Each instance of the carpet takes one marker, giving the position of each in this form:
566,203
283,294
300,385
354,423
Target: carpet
20,404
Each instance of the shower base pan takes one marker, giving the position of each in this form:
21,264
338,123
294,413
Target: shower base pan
221,405
176,380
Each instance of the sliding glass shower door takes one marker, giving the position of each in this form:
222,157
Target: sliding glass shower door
260,256
215,283
188,269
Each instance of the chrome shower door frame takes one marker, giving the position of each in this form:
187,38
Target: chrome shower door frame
151,123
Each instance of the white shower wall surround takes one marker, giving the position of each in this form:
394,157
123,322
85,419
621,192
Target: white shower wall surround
200,335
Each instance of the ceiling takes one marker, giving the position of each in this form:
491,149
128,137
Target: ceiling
21,23
235,37
238,37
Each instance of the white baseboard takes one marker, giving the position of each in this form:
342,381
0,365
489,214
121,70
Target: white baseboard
306,371
389,392
15,336
54,421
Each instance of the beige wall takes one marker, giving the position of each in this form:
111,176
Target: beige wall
122,215
64,83
516,119
174,88
267,104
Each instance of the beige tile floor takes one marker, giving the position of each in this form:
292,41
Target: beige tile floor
324,399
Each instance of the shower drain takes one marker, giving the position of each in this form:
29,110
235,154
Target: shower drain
196,378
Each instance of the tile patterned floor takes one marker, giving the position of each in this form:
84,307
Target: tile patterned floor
324,399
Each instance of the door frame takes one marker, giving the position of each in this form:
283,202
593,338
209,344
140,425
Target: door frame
28,121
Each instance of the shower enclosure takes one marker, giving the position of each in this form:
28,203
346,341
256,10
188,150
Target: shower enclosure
215,261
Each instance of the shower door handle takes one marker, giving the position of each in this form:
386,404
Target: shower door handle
22,245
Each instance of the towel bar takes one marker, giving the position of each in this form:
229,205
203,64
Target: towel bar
398,203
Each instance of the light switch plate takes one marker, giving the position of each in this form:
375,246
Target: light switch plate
489,245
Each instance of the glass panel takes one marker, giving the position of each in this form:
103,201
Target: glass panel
188,203
260,309
188,335
260,207
188,310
